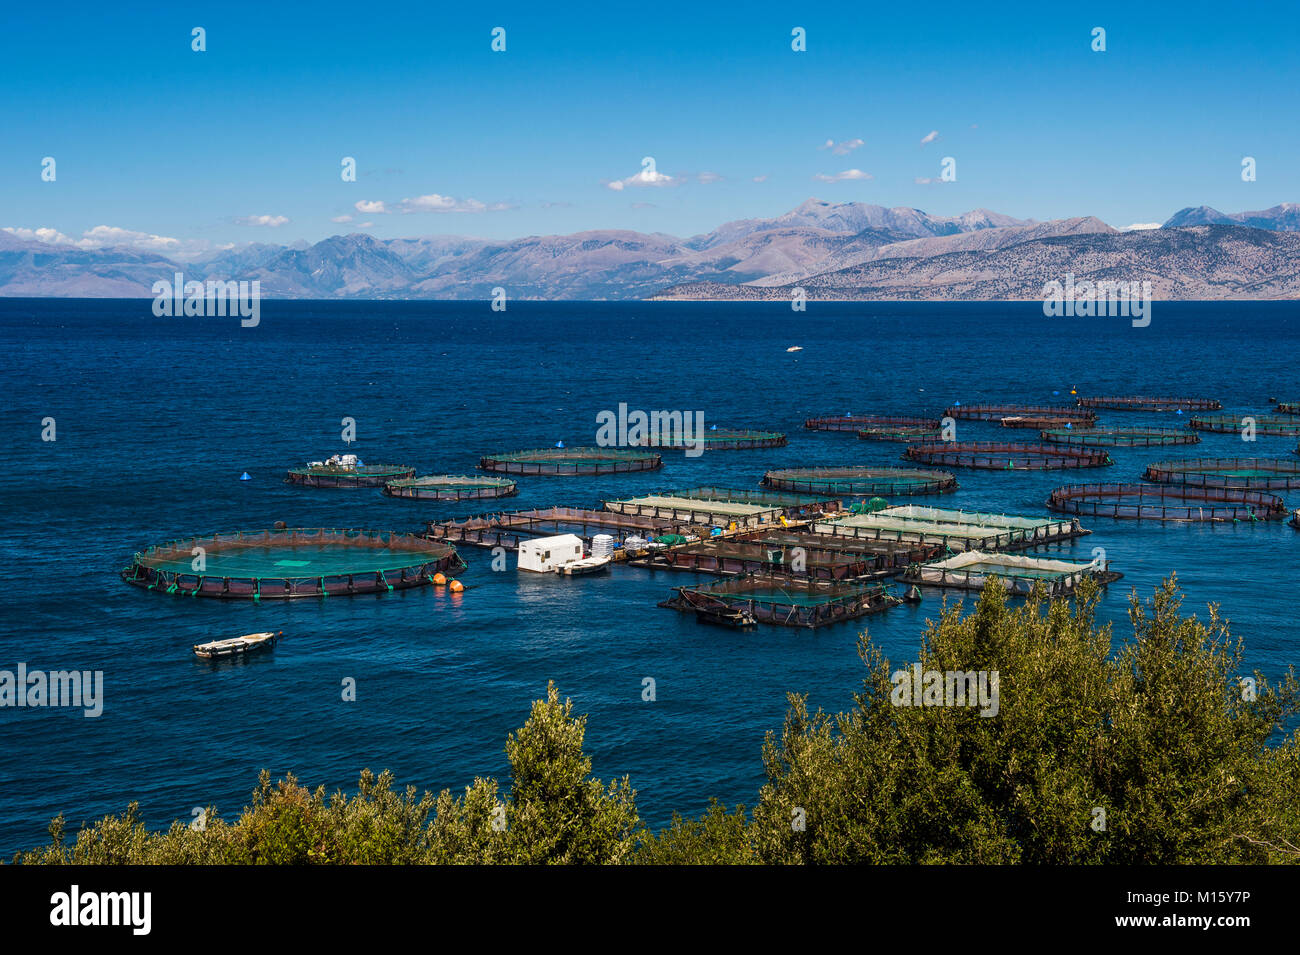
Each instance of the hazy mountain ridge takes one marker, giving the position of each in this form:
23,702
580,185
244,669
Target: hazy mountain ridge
852,250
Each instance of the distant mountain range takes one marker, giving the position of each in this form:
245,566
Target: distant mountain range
833,251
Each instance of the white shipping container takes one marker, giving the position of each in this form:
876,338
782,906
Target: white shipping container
543,554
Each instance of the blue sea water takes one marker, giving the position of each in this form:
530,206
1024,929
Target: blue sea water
157,419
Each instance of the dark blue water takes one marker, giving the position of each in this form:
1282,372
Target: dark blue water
157,418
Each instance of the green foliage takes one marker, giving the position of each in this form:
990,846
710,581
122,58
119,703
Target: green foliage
1156,732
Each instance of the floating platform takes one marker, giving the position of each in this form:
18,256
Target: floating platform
1120,437
1035,422
238,646
1147,502
860,481
1148,403
296,562
998,412
572,461
861,421
1270,425
1006,456
906,433
360,475
451,487
955,530
1256,473
783,600
723,506
725,439
817,556
509,529
973,569
1288,407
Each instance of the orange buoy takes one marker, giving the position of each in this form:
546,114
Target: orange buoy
439,579
456,587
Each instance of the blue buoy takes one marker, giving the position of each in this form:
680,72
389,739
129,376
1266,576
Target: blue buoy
245,477
559,444
713,428
1056,392
1068,425
1180,410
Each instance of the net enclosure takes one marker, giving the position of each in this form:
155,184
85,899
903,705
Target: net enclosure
1007,456
1288,407
998,412
1148,403
1036,422
1018,573
904,433
295,562
1148,502
359,475
860,481
572,461
1273,425
723,506
1255,473
850,422
954,530
783,600
1120,437
508,529
721,439
451,487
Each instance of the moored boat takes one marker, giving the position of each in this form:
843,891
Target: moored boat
237,646
588,565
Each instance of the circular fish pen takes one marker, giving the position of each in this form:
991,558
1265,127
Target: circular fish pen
861,421
1148,502
997,455
1286,426
1037,423
1120,437
572,461
1148,403
860,481
451,487
904,433
1256,473
360,475
725,439
295,562
998,412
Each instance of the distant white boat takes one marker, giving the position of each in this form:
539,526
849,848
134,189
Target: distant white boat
588,565
237,646
795,348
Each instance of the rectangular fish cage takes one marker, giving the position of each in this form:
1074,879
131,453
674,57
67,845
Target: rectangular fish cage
955,530
998,412
784,601
1160,502
1018,573
508,529
859,422
721,506
1148,403
817,556
791,505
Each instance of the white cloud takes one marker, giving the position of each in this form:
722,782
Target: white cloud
272,221
843,176
760,178
53,236
433,202
648,176
928,180
341,219
107,236
1140,226
841,149
930,137
705,178
370,207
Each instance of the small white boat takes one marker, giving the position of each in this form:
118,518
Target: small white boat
795,348
237,646
588,565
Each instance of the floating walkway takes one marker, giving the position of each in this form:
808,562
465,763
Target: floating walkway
861,421
906,433
724,440
1120,437
1148,403
955,530
566,462
296,562
350,476
860,481
1019,574
509,529
998,412
451,487
782,600
1273,426
1006,456
724,506
1254,473
1147,502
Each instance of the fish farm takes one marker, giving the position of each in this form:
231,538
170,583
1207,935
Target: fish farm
997,455
1288,407
955,530
783,600
860,481
1120,437
858,422
1035,422
294,562
318,474
998,412
1264,424
1019,574
451,487
1147,502
724,440
510,528
723,506
1148,403
904,433
572,461
1260,473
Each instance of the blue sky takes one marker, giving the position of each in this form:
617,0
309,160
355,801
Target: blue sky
210,148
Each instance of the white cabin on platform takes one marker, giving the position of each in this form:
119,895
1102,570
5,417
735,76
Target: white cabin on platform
545,554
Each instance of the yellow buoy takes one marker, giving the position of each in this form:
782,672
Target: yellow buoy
439,579
456,587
